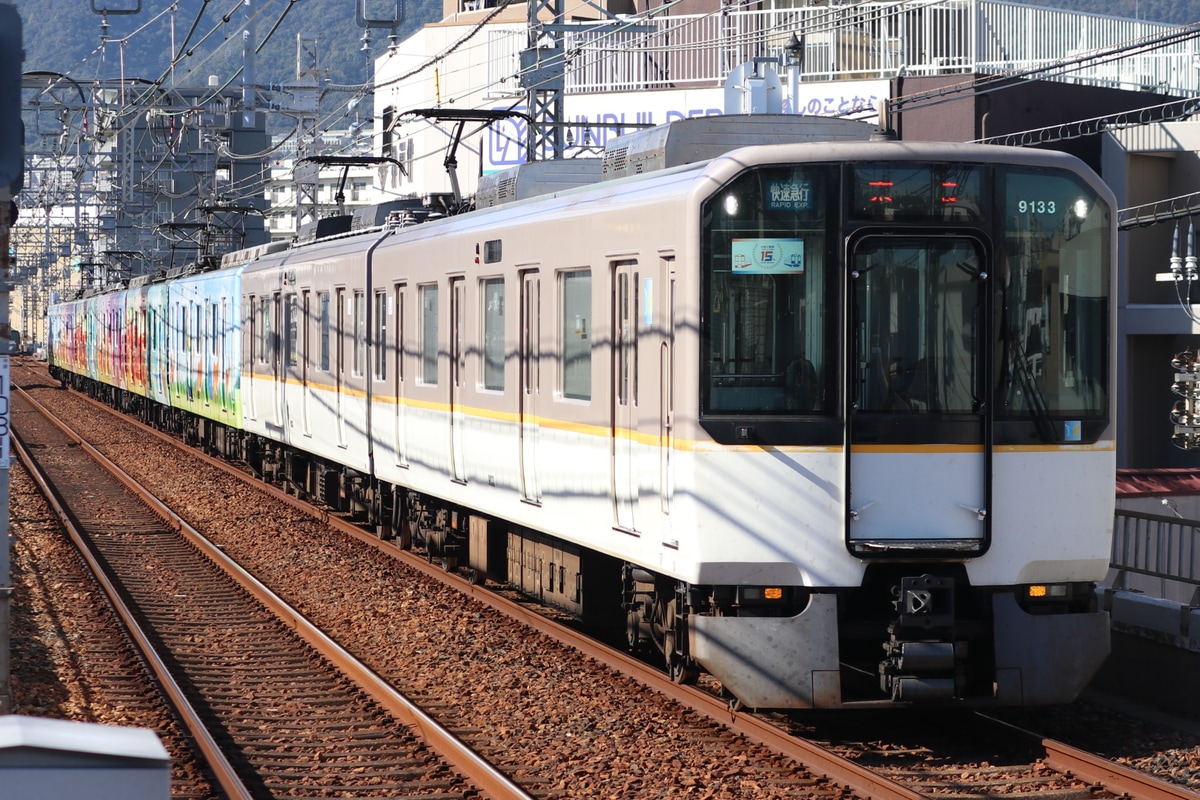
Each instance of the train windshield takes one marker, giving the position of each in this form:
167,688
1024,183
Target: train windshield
972,290
1053,270
917,307
769,343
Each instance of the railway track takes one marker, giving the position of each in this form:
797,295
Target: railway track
822,774
274,715
968,754
73,659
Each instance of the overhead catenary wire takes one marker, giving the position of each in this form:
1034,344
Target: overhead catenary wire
595,50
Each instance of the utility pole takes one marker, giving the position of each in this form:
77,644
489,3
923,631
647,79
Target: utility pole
543,69
12,174
305,92
543,74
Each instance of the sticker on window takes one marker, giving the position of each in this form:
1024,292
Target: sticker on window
789,195
756,256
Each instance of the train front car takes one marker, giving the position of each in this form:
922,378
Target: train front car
902,469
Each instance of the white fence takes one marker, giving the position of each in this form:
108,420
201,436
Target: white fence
875,40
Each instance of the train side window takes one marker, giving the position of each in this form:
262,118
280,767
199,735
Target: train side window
493,334
360,332
251,341
291,325
323,302
379,340
575,351
399,326
265,338
306,336
428,335
340,335
1053,300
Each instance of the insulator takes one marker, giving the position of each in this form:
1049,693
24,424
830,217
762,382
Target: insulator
1176,260
1180,388
1189,263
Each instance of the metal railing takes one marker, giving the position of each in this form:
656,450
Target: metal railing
868,40
1158,546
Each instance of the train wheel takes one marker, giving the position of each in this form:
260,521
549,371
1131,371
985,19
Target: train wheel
449,563
684,671
681,668
476,576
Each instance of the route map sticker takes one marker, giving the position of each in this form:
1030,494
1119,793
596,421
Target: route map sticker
758,256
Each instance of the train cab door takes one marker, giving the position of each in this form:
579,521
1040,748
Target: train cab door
919,447
528,344
457,376
625,303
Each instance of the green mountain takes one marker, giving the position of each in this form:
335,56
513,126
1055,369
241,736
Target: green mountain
69,37
1176,12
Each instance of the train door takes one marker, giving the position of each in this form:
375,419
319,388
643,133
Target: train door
277,355
919,361
208,349
457,370
305,360
527,355
253,332
291,358
217,334
195,349
142,339
339,365
401,405
666,396
221,369
625,304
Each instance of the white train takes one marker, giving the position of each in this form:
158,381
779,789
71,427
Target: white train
828,418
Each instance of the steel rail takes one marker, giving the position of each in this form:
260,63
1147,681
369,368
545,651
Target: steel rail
223,772
1117,779
474,766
